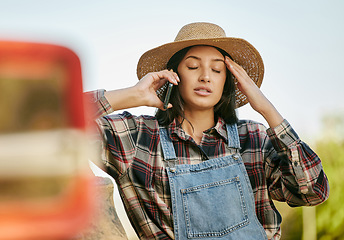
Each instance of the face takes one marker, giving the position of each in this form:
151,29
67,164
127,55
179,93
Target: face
202,74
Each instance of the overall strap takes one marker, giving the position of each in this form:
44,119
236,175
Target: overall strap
167,145
233,136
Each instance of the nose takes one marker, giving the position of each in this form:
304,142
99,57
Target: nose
204,77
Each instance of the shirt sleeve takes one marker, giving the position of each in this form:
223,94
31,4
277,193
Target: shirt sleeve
114,134
294,171
97,104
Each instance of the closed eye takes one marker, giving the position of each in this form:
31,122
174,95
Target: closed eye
192,68
217,71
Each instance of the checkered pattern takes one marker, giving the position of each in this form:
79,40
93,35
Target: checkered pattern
280,166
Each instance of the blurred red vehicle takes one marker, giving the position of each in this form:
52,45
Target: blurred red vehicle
45,182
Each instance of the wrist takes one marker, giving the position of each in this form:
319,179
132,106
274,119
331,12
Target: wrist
139,95
123,98
271,115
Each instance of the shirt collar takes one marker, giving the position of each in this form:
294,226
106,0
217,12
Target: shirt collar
176,132
221,129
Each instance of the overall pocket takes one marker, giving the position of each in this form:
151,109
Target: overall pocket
214,209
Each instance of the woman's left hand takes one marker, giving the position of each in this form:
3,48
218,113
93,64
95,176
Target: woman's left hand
254,95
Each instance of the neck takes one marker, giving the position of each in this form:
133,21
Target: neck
197,122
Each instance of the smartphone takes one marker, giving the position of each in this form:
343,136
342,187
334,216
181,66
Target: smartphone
168,95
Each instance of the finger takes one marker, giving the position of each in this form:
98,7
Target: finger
231,62
176,75
238,71
161,106
231,65
168,75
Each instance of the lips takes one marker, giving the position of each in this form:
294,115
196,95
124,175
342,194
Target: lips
203,91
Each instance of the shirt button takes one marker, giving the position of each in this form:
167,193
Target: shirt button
282,136
304,191
236,156
172,170
295,164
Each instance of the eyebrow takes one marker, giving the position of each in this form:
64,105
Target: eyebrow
197,58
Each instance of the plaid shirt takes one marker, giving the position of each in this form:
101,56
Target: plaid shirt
279,165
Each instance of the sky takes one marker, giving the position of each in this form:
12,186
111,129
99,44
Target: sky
301,43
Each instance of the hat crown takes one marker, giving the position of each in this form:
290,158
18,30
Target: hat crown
200,30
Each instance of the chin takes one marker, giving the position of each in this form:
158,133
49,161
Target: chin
203,107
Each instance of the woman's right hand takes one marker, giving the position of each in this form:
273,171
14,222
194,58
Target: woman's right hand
143,93
150,83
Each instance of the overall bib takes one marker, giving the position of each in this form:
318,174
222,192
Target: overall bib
212,199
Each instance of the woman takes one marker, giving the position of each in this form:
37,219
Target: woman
194,170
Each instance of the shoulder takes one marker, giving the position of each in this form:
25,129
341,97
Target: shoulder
253,135
126,120
249,127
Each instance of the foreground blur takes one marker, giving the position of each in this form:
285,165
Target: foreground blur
45,183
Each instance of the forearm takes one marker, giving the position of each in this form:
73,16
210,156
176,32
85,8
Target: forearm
143,93
296,166
123,98
101,103
271,115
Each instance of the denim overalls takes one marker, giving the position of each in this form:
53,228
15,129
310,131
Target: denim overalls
212,199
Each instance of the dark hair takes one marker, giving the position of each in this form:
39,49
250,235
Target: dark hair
225,108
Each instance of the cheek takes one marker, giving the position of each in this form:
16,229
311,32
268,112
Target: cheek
184,83
220,87
221,82
182,88
182,75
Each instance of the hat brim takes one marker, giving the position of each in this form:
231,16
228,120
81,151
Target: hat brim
239,49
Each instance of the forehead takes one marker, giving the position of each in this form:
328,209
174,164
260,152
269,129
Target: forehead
208,51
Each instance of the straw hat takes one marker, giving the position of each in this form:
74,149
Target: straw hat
201,33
